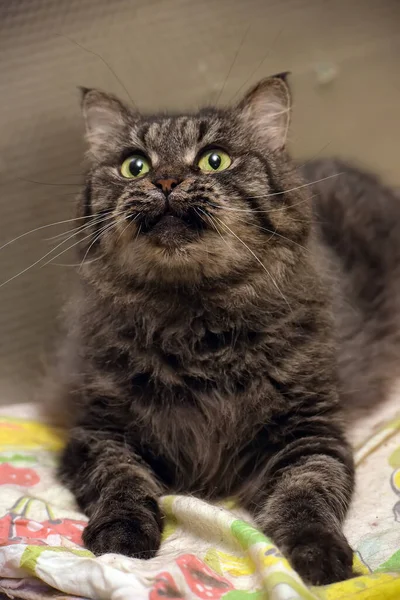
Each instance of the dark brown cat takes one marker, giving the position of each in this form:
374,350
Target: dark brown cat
200,355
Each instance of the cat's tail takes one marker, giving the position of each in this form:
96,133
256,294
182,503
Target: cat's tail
357,220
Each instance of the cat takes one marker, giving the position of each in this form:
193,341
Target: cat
201,346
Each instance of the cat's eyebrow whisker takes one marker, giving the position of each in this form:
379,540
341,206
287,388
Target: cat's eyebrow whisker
232,64
102,60
311,159
256,258
48,182
264,58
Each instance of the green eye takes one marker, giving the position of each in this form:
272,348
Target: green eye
215,160
135,166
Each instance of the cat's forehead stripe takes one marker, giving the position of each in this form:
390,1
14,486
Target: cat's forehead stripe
182,136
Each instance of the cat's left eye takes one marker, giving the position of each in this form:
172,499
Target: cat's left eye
135,166
215,160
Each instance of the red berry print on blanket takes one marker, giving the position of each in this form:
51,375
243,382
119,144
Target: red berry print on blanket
165,587
18,475
5,528
67,528
203,582
17,528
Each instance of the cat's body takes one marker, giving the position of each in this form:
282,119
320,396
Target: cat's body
201,354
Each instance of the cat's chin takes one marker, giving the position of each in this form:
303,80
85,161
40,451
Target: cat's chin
171,232
176,254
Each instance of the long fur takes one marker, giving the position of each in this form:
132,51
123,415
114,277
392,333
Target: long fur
201,357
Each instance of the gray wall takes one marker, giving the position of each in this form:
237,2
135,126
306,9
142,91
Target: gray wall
344,55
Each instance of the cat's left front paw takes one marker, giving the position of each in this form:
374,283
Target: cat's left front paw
320,556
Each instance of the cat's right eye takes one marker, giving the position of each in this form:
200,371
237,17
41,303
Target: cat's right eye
135,166
214,160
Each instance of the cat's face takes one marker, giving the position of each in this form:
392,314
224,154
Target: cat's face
181,198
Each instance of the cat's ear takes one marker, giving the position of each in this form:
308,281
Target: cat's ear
105,117
266,110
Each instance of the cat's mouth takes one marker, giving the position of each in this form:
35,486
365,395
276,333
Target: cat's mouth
170,229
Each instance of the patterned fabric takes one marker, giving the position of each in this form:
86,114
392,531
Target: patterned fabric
208,552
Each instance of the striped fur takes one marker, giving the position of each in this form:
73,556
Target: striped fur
202,360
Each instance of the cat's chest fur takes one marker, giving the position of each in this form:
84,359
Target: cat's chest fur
190,384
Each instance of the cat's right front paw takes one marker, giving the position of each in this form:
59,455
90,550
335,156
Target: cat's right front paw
137,534
320,556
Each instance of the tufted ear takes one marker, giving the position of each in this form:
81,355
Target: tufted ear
105,117
266,111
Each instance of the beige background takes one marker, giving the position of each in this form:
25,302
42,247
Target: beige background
344,56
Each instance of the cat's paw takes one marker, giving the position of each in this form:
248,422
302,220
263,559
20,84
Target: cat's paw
137,534
320,556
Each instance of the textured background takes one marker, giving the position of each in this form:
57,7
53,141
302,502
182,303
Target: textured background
344,55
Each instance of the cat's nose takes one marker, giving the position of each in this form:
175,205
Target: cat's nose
167,185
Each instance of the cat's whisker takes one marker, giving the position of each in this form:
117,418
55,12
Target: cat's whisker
249,210
275,233
76,243
212,223
88,262
256,258
97,235
250,250
41,227
73,234
49,182
262,61
283,208
45,256
95,221
138,231
102,60
298,187
103,230
94,233
304,185
232,64
26,269
311,159
129,223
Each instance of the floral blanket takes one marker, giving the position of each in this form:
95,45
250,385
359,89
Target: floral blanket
208,552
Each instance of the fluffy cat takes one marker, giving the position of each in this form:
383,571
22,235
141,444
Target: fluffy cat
200,354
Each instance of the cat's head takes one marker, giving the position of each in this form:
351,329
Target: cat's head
184,198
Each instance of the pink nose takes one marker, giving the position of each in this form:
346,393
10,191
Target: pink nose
166,185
